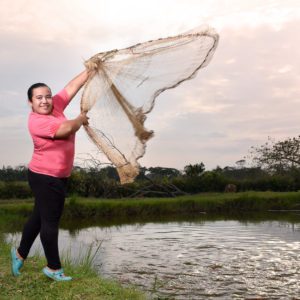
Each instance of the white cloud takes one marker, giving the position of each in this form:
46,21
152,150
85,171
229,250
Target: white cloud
249,90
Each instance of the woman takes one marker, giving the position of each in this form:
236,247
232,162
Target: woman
52,160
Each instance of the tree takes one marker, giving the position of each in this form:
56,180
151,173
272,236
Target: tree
194,170
161,172
9,173
241,163
277,157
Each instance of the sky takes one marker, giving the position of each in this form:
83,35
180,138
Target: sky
250,90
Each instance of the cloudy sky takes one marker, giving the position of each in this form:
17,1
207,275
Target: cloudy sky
249,91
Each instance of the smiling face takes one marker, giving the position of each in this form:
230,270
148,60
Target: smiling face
41,101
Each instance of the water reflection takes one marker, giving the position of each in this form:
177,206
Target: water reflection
197,260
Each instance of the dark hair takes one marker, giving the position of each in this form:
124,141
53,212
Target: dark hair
35,86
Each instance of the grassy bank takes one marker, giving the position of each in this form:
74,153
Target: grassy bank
185,205
32,284
220,203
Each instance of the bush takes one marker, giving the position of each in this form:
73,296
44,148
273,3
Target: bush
276,183
17,189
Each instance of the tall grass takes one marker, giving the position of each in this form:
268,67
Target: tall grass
118,209
184,205
85,260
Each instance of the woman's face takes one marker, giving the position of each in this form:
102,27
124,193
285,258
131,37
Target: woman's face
41,101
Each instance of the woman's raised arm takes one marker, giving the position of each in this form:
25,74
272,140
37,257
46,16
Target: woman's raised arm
76,83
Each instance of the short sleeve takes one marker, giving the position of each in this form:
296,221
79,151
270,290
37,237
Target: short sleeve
44,126
61,100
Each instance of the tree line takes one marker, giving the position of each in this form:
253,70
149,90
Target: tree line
275,167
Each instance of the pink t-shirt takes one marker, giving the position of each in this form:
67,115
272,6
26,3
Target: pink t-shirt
51,156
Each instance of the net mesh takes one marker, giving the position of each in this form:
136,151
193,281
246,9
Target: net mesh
124,88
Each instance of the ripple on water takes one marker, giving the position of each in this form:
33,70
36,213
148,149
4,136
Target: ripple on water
204,260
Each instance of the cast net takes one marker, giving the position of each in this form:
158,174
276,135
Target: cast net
124,88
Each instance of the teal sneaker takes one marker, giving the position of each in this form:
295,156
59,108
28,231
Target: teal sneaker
56,275
16,262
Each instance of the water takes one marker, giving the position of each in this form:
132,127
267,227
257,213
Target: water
197,260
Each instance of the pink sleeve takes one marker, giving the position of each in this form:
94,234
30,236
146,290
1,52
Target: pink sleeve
44,126
61,100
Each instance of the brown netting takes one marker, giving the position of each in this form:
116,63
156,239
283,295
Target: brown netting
125,86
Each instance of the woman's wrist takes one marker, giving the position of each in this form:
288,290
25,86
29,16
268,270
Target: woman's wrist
80,119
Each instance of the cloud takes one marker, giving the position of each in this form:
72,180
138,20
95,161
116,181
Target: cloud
230,107
249,91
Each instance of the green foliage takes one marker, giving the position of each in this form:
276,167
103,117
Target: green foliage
93,182
162,173
15,189
233,173
269,183
277,157
213,182
13,174
149,208
164,182
185,205
194,170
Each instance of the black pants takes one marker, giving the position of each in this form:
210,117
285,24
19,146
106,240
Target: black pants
49,193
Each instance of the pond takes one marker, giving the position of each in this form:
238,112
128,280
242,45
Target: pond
196,259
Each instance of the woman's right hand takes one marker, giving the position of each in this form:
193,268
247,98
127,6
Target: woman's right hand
84,118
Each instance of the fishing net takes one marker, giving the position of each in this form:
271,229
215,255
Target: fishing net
124,88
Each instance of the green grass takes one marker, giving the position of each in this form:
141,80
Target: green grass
221,203
86,212
213,203
32,284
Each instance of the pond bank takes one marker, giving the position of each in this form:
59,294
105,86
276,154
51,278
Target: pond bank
194,259
213,203
32,284
87,284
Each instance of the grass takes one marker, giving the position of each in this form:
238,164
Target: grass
212,203
32,284
85,212
220,203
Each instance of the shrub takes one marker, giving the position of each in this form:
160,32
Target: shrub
15,189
